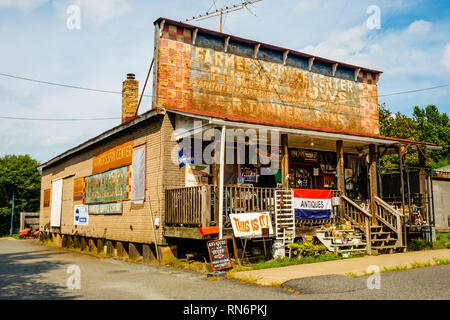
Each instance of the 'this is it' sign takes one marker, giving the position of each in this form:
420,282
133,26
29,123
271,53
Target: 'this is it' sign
250,225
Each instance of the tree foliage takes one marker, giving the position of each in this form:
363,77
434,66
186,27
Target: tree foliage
434,127
426,125
18,175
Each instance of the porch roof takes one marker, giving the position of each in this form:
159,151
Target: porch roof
215,119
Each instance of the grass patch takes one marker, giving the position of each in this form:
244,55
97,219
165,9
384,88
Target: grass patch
15,236
284,262
442,242
396,268
415,264
244,279
240,269
197,266
441,261
351,274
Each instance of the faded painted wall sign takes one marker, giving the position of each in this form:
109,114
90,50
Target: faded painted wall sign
107,186
116,157
203,78
46,197
78,188
106,208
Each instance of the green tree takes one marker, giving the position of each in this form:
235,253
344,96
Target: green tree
426,125
397,126
434,127
18,175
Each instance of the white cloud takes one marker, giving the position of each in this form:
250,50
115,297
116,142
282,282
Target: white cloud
446,57
22,5
55,141
95,12
419,26
100,57
342,45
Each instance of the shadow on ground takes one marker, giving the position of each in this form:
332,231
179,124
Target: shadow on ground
21,278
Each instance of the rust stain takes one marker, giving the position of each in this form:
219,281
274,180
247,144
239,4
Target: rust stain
214,81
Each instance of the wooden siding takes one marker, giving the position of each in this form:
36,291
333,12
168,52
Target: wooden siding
134,224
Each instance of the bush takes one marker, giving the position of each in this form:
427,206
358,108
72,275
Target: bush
442,241
306,249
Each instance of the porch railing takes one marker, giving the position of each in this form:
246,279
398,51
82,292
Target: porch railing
248,199
188,206
194,206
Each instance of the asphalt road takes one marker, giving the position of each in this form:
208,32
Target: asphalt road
29,270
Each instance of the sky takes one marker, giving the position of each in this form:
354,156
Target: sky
40,40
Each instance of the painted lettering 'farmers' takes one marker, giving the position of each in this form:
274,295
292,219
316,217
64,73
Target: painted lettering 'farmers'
312,204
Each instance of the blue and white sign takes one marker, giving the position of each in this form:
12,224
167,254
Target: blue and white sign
184,157
80,215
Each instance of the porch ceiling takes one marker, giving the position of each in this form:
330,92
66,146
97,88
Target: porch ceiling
316,143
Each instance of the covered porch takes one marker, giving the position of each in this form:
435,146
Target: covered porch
346,165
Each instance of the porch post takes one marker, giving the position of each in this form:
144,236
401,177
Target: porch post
340,173
373,181
221,163
402,151
423,162
340,166
285,162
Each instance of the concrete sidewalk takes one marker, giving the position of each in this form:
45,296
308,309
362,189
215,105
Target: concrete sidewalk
277,276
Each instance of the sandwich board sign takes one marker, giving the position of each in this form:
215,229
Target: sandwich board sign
218,253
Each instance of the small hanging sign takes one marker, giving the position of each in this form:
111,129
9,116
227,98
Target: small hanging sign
218,253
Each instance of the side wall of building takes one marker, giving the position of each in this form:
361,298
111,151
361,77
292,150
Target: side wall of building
441,190
135,222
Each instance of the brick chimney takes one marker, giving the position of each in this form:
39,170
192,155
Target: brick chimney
130,98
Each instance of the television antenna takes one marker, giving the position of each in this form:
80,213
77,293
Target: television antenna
220,12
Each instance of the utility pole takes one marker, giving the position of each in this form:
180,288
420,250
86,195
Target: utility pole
220,12
12,215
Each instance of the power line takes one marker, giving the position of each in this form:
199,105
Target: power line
151,95
58,119
415,90
61,84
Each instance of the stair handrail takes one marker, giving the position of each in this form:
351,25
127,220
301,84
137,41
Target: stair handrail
364,211
367,217
383,203
398,227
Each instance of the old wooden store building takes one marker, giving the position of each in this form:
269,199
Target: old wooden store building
243,140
